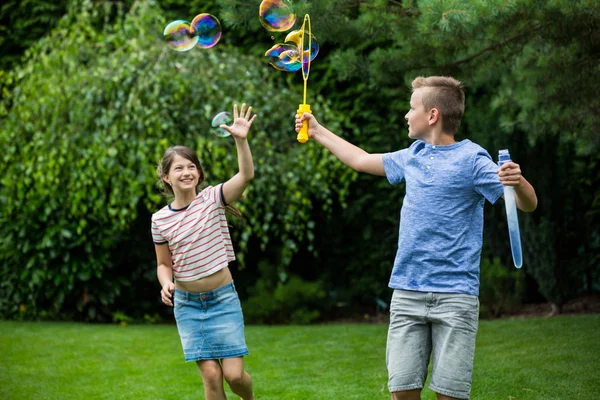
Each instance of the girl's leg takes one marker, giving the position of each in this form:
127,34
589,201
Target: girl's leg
212,377
239,381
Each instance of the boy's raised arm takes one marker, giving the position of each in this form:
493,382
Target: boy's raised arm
351,155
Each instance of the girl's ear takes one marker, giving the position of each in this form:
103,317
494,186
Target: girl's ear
165,178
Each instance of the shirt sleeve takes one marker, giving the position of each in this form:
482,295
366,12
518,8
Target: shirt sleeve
214,194
222,196
157,237
485,178
393,165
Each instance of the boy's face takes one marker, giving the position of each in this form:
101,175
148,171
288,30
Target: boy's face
417,117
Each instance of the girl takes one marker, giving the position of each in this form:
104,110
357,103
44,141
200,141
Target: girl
193,245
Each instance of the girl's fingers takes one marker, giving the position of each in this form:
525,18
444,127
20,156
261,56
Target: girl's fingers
253,118
228,129
235,111
249,113
243,110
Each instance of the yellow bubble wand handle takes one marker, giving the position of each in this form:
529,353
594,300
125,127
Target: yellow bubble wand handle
305,59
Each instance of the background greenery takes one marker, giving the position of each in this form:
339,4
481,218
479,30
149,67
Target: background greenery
91,97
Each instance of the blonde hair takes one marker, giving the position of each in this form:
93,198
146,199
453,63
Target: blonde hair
447,95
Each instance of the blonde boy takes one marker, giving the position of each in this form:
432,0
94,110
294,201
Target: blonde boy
435,307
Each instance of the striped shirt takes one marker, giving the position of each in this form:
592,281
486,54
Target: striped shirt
197,235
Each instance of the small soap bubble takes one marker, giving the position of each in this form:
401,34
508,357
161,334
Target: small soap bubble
207,28
179,36
222,118
277,15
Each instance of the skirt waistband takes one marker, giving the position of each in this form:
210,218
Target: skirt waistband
184,295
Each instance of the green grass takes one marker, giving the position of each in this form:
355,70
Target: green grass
540,358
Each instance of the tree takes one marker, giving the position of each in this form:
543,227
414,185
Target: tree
91,111
532,72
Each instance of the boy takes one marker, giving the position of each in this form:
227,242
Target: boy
434,309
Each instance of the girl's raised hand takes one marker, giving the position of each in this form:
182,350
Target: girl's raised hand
241,122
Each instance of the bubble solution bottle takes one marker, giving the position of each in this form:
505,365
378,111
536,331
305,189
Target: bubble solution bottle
511,215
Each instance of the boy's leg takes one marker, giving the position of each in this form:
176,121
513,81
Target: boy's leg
408,345
414,394
239,381
212,378
454,319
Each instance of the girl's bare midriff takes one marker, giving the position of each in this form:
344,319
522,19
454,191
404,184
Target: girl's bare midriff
211,282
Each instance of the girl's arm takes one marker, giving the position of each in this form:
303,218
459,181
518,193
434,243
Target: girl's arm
234,187
164,271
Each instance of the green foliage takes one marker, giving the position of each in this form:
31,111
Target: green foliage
501,287
532,72
294,301
22,23
91,112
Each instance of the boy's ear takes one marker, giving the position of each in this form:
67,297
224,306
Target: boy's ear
434,116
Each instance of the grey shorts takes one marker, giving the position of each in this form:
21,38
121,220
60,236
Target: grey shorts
442,326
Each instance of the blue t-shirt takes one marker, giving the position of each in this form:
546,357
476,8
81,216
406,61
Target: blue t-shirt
441,221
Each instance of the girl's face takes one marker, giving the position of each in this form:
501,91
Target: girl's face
183,175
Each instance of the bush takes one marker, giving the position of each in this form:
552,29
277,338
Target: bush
86,120
501,287
294,301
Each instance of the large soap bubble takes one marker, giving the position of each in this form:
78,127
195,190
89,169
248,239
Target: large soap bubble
179,36
207,28
277,15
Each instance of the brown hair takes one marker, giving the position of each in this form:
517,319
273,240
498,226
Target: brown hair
165,166
447,95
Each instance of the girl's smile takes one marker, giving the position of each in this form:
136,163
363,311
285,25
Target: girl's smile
183,175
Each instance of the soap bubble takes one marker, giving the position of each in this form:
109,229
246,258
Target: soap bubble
276,15
207,28
222,118
179,36
296,37
280,52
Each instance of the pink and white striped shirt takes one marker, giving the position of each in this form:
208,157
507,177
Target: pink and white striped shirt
197,235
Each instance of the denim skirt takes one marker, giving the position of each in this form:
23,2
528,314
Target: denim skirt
210,324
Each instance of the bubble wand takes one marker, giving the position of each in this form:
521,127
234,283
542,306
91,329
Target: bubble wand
511,215
305,58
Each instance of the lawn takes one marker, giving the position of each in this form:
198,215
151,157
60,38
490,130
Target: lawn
518,359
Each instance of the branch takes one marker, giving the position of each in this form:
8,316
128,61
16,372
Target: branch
493,47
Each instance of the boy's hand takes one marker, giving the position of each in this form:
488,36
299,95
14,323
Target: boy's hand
241,122
510,174
166,293
313,124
